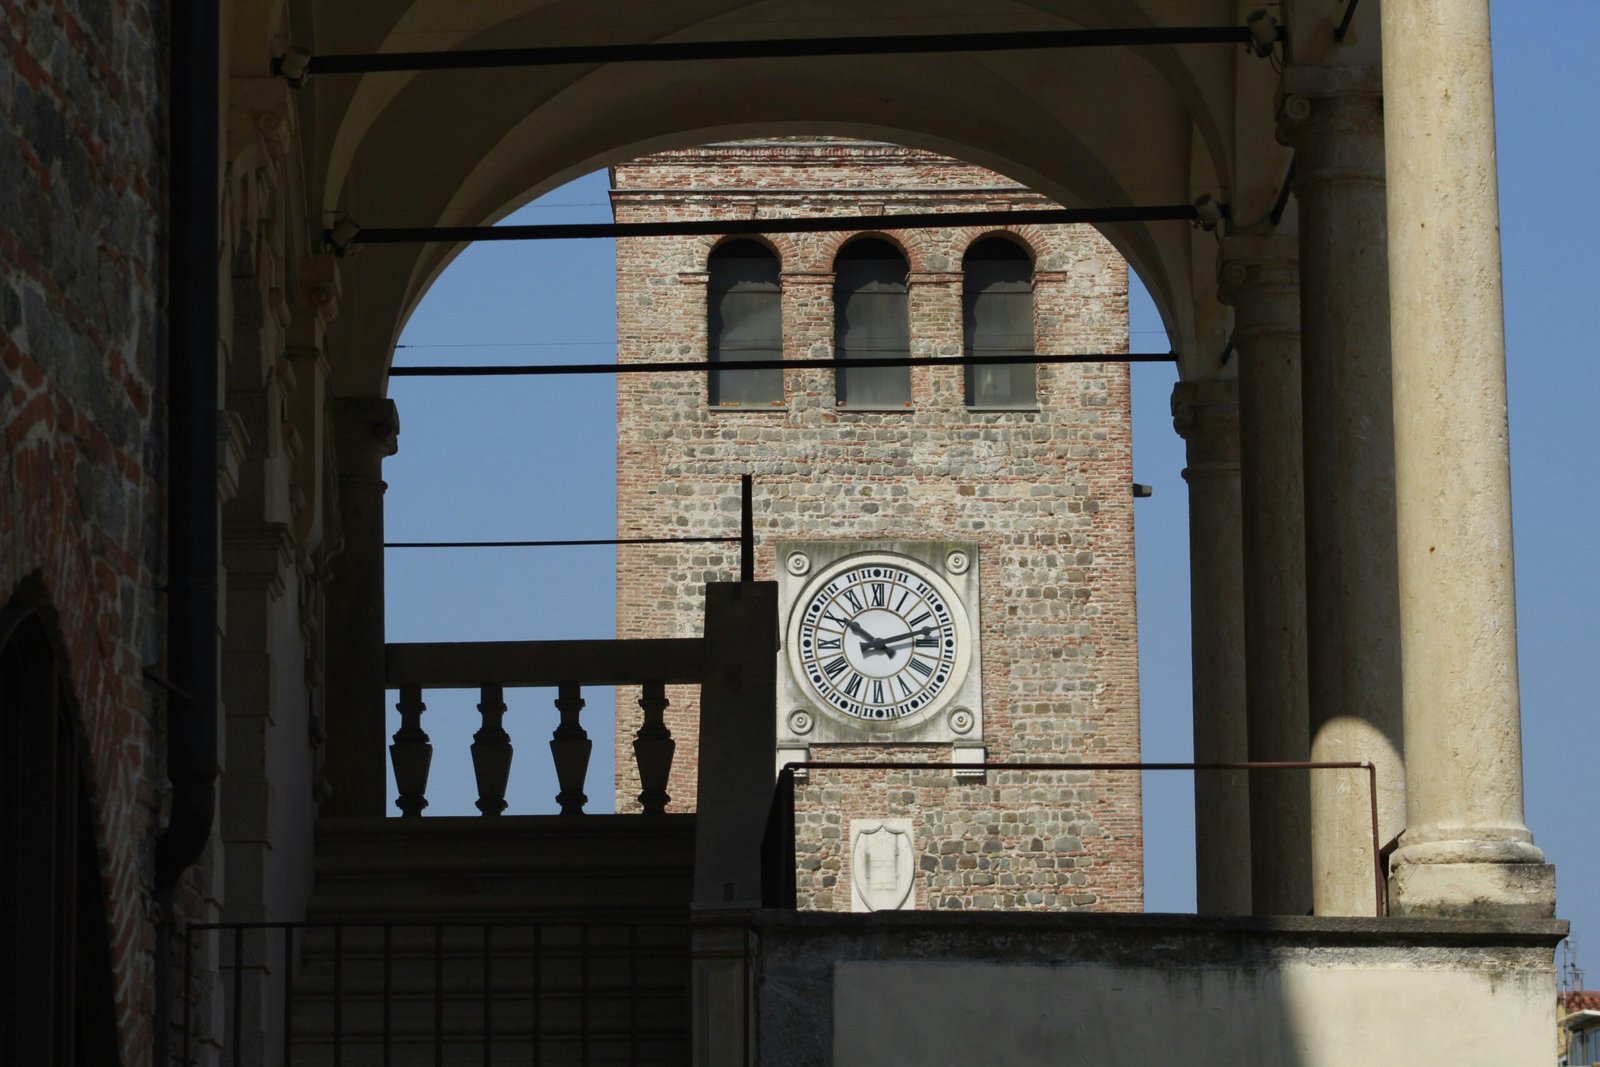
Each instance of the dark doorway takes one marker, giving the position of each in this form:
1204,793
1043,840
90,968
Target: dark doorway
56,1003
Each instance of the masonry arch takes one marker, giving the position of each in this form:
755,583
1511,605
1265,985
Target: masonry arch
1019,114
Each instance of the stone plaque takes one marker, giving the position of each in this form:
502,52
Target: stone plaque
882,865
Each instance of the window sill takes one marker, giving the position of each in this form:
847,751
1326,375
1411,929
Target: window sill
753,409
845,409
993,409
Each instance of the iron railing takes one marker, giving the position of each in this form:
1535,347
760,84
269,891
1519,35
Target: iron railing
560,991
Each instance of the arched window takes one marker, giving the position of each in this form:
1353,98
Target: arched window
997,314
744,321
871,318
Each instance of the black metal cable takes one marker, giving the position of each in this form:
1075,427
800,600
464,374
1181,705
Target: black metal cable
705,366
565,544
571,231
775,48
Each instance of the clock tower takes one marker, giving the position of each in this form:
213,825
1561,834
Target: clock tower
953,547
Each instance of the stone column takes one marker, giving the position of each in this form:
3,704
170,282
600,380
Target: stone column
1259,276
1333,117
1206,416
365,431
1465,849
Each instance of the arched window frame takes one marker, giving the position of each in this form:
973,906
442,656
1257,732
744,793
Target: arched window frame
871,317
997,320
744,321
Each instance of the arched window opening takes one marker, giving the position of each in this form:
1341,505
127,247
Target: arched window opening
871,319
744,322
997,317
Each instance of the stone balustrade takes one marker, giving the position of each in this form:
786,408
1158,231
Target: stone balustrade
490,667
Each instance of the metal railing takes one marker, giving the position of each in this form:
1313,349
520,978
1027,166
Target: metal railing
778,882
556,991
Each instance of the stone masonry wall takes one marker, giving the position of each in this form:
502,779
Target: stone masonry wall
80,506
1045,493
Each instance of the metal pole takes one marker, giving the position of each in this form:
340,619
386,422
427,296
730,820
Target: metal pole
747,529
1372,800
288,994
238,994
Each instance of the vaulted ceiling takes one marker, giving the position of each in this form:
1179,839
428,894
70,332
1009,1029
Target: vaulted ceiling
1087,127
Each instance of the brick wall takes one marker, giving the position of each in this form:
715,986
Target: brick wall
1044,493
80,514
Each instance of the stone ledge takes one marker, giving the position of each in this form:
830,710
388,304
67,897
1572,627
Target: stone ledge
1137,931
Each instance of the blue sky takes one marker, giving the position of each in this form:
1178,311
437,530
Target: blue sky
550,474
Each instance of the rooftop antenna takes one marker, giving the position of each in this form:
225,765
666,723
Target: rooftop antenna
1571,973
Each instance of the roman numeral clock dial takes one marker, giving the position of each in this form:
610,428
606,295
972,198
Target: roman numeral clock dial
879,638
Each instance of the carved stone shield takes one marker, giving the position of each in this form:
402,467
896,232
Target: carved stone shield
882,865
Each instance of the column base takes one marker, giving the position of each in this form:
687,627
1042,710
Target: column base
1473,890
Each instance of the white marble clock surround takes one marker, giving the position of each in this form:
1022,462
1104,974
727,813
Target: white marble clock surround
805,721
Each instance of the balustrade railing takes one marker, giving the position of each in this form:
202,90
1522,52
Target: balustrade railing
492,667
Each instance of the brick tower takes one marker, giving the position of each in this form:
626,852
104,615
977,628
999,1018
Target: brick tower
993,506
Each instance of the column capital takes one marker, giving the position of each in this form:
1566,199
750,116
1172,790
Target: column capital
367,426
1206,415
1313,102
1197,406
313,305
1257,262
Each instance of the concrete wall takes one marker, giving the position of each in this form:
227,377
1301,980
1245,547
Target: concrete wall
1092,990
1043,493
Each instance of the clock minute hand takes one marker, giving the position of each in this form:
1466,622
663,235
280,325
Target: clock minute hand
882,644
868,643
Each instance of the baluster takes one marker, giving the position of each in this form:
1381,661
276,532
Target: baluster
411,754
491,752
652,749
569,747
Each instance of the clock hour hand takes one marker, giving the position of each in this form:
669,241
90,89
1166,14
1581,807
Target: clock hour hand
868,642
882,644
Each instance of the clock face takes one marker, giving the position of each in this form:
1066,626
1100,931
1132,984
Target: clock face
877,637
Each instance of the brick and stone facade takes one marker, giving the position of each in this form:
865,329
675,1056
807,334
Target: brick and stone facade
80,447
1044,493
86,302
81,189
